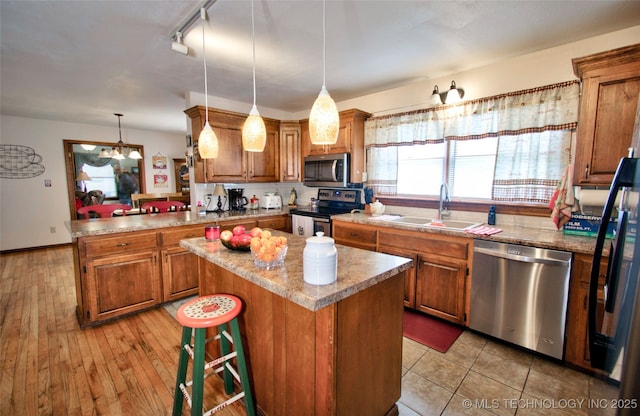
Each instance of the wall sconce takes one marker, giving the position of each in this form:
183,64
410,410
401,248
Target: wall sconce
452,96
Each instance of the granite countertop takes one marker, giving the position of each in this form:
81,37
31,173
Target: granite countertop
357,270
542,238
114,225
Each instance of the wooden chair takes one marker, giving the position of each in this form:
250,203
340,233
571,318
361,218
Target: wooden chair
103,211
162,206
137,200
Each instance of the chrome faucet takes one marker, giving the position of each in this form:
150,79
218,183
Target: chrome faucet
444,198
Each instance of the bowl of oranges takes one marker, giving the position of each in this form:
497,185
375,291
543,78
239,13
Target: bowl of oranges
268,251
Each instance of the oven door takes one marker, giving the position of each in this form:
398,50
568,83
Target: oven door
323,225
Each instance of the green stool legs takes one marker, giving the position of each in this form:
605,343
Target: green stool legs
198,355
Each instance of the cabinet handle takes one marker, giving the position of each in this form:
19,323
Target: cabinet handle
584,302
586,171
190,235
122,244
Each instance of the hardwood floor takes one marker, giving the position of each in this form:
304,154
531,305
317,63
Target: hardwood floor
49,366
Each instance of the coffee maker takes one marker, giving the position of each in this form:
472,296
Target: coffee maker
237,202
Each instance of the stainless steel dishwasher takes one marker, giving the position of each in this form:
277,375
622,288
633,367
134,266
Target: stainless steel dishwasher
519,294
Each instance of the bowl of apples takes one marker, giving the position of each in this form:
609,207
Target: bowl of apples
268,251
237,239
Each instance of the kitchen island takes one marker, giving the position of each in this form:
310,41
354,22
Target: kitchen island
128,264
315,350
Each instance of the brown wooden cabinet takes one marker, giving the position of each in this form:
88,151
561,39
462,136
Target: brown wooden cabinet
440,272
355,235
122,273
436,284
119,275
290,156
610,89
350,140
179,266
577,346
233,164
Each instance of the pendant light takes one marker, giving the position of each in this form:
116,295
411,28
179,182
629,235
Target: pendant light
207,141
118,152
254,132
324,120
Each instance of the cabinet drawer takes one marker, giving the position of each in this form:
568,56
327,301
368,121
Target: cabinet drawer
173,237
125,242
276,223
352,232
426,243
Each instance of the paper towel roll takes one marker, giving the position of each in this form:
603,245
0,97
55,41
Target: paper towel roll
593,201
593,198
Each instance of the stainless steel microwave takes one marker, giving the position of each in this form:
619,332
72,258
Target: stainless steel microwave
327,170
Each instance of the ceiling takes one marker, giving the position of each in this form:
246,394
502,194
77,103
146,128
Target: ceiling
82,61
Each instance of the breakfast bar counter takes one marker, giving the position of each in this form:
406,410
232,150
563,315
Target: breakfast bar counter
315,350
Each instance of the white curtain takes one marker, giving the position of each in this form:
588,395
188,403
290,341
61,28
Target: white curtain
533,128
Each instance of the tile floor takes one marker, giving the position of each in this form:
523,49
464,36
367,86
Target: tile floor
480,376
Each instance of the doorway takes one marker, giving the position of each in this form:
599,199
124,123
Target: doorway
93,170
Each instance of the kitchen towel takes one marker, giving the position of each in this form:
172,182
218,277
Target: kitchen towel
563,201
484,230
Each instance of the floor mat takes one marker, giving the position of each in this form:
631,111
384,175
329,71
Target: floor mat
432,332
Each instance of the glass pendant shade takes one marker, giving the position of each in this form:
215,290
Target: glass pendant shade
254,132
208,143
104,153
88,147
324,120
134,154
453,96
435,97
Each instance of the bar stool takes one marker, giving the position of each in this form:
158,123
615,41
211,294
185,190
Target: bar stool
195,316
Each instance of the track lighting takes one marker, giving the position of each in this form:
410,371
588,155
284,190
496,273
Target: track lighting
178,46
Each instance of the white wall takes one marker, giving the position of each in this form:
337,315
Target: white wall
28,209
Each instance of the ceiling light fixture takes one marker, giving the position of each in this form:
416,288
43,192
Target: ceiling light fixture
207,141
452,96
88,147
178,46
324,119
254,132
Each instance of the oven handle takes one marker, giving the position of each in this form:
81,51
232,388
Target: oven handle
318,219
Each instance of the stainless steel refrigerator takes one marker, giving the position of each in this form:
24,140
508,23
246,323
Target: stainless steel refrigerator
614,322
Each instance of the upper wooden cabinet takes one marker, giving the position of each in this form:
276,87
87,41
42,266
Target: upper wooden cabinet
290,151
610,88
233,164
350,140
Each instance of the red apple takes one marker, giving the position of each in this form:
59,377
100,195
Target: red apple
256,232
226,235
235,240
244,240
238,230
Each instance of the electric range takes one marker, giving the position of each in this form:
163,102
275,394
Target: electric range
307,221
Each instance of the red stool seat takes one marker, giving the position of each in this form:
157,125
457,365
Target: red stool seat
208,311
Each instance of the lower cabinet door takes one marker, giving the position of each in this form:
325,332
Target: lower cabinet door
409,277
440,287
179,273
121,284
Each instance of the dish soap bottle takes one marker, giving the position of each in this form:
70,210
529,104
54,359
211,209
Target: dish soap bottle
491,220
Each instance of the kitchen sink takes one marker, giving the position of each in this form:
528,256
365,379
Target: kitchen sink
428,222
